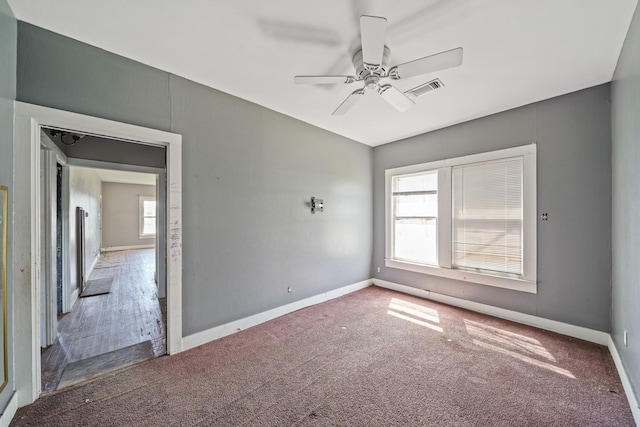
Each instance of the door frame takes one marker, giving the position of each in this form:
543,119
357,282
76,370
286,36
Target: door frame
48,271
29,119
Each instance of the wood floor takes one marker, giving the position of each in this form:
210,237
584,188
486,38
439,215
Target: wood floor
131,313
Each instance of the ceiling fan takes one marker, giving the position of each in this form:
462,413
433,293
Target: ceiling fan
371,62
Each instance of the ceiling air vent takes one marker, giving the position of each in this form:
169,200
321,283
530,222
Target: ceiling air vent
424,88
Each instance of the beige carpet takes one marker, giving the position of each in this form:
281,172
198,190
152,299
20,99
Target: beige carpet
371,358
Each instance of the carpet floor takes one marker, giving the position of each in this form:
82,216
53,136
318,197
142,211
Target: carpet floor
371,358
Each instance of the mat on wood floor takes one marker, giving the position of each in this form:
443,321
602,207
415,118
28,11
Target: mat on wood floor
93,367
97,287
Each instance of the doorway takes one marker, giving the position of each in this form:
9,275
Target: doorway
29,119
117,315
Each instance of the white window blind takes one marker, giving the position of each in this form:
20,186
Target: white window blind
487,228
415,213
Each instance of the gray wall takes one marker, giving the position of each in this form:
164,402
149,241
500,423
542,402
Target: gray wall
8,36
573,135
625,112
248,175
120,214
84,191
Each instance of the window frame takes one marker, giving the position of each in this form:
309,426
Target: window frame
528,282
141,217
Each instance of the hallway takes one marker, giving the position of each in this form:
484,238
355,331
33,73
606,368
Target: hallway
129,314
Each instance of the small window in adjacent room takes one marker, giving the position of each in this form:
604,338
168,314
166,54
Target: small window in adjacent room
147,216
470,218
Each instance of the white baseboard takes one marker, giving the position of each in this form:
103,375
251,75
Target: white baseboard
93,265
9,411
626,382
580,332
204,337
126,248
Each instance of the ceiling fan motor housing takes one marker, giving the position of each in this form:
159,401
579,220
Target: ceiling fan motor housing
362,72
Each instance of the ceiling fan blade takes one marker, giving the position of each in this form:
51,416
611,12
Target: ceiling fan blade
428,64
372,33
348,103
395,97
323,80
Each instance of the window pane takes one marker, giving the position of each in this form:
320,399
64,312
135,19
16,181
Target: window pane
487,216
149,226
415,240
415,208
416,205
427,181
149,208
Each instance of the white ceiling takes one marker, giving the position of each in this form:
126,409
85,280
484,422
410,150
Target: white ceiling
515,51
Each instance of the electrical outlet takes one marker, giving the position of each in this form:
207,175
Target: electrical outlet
625,336
378,269
289,289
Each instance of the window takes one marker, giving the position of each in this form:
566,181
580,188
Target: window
471,218
415,203
147,217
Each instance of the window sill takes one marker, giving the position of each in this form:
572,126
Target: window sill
529,286
146,236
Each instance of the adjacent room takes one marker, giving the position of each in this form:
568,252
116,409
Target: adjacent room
336,213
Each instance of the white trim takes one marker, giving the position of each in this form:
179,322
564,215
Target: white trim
67,293
126,248
173,254
48,283
28,121
217,332
9,411
445,212
471,158
530,217
465,276
580,332
634,404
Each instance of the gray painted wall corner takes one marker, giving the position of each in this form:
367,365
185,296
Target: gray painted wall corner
625,111
572,133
